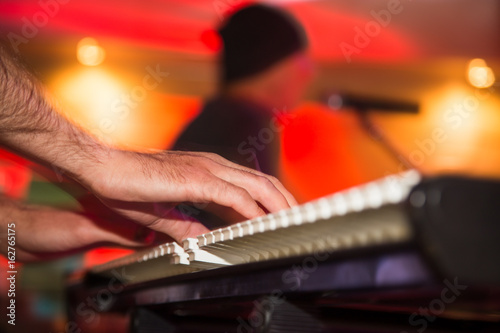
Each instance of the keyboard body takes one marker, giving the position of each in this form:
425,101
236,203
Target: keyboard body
402,254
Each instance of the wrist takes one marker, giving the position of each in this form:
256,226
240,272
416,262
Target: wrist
93,165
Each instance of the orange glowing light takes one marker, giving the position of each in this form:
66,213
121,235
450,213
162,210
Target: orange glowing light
458,131
119,111
89,53
479,74
90,98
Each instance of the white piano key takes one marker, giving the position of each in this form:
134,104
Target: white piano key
373,195
284,219
247,228
339,204
273,244
410,178
325,210
311,214
355,200
272,222
190,244
238,230
241,247
393,191
297,215
228,233
207,257
212,237
233,249
218,235
202,240
224,252
175,248
259,225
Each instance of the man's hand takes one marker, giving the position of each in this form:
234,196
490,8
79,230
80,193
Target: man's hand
45,233
142,187
146,188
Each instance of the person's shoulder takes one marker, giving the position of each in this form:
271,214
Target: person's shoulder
235,109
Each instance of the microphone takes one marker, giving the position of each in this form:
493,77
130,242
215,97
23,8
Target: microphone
338,101
362,105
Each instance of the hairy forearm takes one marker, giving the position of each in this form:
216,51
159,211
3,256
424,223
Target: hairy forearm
30,126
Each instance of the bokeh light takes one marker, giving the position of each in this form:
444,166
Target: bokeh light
479,74
89,53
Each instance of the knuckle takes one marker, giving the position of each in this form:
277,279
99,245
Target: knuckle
212,155
154,224
266,183
240,193
273,179
234,195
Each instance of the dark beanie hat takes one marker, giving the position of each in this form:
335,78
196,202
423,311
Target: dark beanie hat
255,38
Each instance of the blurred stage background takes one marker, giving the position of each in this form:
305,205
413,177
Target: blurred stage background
94,57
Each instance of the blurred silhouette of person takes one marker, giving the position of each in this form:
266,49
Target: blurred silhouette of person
264,70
